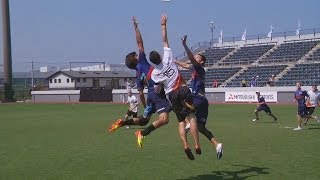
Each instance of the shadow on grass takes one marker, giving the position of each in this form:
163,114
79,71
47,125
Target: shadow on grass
244,173
313,128
268,122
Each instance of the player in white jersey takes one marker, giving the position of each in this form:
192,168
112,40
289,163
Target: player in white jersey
166,74
312,103
133,107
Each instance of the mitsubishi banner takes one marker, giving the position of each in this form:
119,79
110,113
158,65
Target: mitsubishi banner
250,96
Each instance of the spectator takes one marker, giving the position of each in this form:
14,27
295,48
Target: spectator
271,81
253,82
215,83
244,82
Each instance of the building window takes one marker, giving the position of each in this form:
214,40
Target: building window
84,80
68,80
59,80
50,80
78,79
72,80
55,80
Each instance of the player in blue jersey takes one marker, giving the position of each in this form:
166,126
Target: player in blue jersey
197,67
262,106
198,72
199,105
156,102
300,97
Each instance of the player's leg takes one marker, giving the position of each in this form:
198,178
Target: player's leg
183,136
218,146
256,113
194,132
310,111
268,111
301,113
185,94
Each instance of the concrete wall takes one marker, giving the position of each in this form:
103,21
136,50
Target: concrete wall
217,95
61,96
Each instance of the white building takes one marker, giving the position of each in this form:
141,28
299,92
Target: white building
89,79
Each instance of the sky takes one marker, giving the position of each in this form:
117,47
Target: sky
55,32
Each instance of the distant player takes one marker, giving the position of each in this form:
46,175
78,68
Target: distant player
200,106
166,74
262,106
300,97
133,106
156,102
312,103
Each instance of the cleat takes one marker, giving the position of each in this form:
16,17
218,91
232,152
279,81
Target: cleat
254,120
275,119
139,138
189,153
219,149
297,129
198,150
116,125
187,128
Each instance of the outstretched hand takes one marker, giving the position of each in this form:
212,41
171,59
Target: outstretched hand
135,22
164,19
184,39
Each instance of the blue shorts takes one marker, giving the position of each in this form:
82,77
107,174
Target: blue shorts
302,111
264,108
202,109
157,103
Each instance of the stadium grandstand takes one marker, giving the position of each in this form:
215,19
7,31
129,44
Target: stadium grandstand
288,56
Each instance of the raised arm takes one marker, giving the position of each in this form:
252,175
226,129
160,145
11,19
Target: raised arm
183,64
138,34
164,30
189,53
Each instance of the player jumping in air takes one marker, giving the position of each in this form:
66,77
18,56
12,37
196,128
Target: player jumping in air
166,74
300,97
133,107
156,102
262,106
312,103
200,106
198,72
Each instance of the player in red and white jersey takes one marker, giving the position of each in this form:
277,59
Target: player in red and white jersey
166,74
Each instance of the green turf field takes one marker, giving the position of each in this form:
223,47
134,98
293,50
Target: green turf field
40,141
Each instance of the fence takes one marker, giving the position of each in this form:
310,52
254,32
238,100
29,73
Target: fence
19,94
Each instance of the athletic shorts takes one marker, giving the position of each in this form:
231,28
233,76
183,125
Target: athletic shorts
264,108
310,110
157,103
302,111
176,98
202,109
131,113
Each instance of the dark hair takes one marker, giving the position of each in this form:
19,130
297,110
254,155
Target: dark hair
131,60
155,57
204,59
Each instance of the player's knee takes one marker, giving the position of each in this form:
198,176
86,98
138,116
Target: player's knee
201,128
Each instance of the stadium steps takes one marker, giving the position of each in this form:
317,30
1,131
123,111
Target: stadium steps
242,70
227,56
309,54
284,72
300,61
257,62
